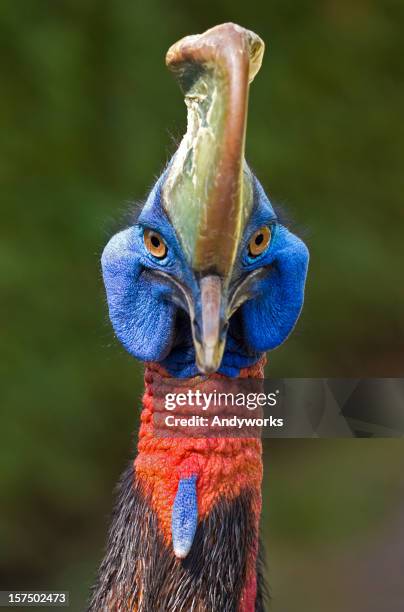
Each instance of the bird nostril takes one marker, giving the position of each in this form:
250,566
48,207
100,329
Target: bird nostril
223,330
197,329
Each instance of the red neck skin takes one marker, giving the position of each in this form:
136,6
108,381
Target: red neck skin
225,467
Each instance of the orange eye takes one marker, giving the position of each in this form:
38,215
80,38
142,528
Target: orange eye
155,244
259,241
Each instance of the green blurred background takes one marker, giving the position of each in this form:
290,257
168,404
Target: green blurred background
88,117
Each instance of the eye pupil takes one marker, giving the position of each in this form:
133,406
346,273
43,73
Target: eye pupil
155,241
259,239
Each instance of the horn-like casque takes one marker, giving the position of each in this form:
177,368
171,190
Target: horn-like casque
208,190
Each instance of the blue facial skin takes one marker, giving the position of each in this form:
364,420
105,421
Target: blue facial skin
152,327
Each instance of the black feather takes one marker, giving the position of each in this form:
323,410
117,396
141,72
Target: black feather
140,570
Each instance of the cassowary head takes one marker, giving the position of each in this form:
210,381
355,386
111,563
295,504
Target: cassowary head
207,279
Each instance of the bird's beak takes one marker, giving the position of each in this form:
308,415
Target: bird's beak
208,191
209,325
210,304
210,317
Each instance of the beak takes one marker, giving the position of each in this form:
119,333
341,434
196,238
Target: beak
210,308
211,321
208,313
209,329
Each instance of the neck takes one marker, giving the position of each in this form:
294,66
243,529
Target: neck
184,534
191,483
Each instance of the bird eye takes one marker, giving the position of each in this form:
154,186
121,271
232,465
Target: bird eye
259,241
154,244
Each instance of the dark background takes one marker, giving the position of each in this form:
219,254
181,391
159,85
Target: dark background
88,117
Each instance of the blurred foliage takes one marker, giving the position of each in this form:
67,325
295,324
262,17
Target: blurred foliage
88,116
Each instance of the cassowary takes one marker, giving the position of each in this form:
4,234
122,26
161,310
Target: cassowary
200,287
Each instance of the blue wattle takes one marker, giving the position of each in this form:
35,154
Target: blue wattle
184,519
